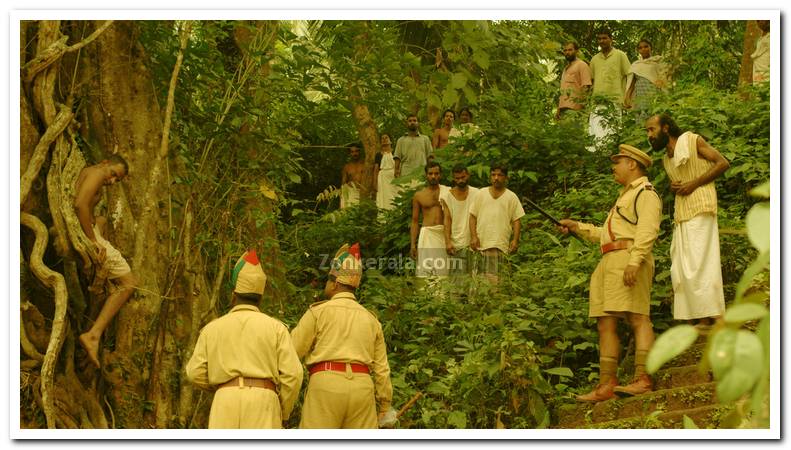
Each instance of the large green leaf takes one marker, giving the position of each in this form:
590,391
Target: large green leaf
562,371
761,190
670,344
758,220
689,424
744,312
737,360
457,419
458,80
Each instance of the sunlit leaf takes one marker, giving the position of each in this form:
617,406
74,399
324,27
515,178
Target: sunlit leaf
670,344
744,312
758,220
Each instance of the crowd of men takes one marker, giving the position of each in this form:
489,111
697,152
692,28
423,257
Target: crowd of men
254,365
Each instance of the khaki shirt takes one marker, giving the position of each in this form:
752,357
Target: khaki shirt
643,234
342,330
246,342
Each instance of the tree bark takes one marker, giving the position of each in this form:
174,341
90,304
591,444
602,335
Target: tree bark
751,35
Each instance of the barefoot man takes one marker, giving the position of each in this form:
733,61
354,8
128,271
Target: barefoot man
88,187
429,251
352,177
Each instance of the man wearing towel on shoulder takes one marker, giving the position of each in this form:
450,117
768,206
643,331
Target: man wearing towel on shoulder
692,165
429,247
247,357
342,343
494,221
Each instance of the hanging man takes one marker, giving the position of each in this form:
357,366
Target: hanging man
247,358
89,189
692,165
620,287
342,343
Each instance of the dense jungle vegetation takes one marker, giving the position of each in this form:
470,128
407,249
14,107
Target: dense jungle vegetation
236,132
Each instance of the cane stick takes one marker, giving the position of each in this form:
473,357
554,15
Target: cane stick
409,404
549,216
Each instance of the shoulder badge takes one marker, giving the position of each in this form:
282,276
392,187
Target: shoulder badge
313,305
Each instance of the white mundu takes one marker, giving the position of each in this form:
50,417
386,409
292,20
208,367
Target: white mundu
695,269
495,217
460,214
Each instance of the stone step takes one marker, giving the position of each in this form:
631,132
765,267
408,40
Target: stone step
680,398
674,377
709,416
690,357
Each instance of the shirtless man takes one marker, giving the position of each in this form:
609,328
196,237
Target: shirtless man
443,135
429,250
88,187
352,177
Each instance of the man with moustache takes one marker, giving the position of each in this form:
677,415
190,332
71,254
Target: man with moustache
620,287
692,165
412,151
575,81
456,211
609,69
351,178
428,248
494,221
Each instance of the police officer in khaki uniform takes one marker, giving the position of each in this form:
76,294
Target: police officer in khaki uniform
248,358
620,286
342,343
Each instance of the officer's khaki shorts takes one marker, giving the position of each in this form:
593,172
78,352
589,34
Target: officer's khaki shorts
609,296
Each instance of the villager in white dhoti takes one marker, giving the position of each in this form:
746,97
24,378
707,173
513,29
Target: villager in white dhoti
387,191
350,195
696,269
602,124
432,259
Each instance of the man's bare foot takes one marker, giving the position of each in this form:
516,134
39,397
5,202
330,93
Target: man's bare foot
91,346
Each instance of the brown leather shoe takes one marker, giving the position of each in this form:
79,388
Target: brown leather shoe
638,386
602,392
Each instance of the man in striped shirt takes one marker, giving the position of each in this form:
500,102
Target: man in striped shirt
692,165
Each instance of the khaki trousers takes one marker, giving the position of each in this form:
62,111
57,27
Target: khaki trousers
339,400
245,407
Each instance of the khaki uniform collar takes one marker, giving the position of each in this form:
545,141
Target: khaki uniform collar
635,184
344,295
244,308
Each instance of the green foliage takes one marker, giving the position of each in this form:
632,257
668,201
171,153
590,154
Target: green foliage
271,123
670,344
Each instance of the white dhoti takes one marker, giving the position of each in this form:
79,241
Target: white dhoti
432,258
387,191
696,270
602,125
350,195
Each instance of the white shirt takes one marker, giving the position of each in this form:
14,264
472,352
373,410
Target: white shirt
459,213
494,217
